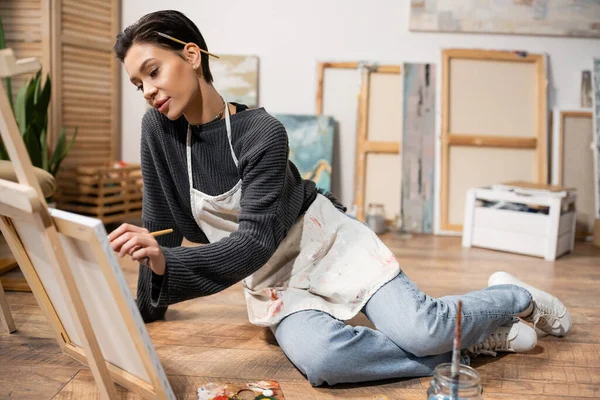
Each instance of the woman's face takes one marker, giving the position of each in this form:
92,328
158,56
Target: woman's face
167,81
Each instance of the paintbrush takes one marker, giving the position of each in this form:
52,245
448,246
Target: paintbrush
160,233
455,367
146,260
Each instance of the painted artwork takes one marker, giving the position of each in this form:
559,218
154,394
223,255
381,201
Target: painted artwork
418,148
236,78
311,145
576,18
596,100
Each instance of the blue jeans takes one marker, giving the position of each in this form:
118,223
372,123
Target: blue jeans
414,332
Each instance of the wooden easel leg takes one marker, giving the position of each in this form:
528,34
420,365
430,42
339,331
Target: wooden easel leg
7,320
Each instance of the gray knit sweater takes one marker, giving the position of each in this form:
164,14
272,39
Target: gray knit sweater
273,197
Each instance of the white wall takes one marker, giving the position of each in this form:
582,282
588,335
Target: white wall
291,37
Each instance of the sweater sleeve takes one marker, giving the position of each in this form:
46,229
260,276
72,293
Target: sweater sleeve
154,218
270,204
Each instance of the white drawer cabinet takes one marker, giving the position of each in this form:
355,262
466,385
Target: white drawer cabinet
547,234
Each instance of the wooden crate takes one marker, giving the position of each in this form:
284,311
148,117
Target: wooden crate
109,193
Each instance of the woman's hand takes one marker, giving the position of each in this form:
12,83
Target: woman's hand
140,245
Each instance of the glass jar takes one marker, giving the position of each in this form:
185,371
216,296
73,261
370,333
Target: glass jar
469,384
376,218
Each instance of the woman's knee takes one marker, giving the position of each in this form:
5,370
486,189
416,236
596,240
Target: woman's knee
320,369
309,347
319,363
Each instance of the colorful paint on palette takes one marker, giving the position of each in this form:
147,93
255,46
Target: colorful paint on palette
311,146
418,148
262,390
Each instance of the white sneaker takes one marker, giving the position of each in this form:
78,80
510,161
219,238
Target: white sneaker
517,338
549,314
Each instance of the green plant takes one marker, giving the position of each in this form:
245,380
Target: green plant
8,85
31,112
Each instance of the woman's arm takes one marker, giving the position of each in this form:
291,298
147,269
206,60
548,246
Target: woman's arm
155,216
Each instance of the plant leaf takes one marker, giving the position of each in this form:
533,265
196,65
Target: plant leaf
8,80
29,102
58,149
44,147
65,150
33,148
9,92
3,152
2,39
37,85
62,155
39,119
20,113
41,105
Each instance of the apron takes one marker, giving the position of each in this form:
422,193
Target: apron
327,262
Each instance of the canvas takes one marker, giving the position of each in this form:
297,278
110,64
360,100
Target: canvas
418,147
596,100
236,78
311,146
91,266
573,162
576,18
479,145
73,273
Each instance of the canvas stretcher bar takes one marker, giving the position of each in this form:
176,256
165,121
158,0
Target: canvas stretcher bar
366,147
573,150
381,153
322,66
503,123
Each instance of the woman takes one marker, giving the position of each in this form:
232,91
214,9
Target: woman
218,173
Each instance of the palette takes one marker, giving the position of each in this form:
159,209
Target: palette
262,390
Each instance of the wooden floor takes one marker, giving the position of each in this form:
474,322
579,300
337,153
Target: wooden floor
210,339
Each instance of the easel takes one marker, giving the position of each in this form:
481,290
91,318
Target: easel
27,223
6,318
15,147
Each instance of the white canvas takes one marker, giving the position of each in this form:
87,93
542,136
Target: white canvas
109,326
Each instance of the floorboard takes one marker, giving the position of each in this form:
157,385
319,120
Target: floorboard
210,339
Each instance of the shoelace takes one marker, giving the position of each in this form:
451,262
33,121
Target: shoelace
542,314
495,342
